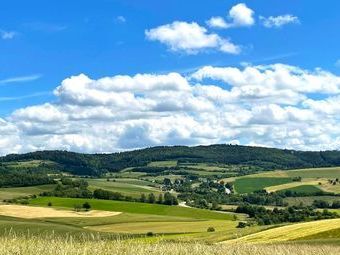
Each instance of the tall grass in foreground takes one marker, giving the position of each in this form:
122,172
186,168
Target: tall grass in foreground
51,245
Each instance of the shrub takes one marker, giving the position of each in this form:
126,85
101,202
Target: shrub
211,229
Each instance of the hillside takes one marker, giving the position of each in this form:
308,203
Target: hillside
263,158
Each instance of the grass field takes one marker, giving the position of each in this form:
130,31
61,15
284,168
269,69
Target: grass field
51,245
9,193
304,182
131,207
128,187
327,172
247,185
291,232
165,227
304,189
169,163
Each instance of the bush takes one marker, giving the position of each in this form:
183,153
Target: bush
87,206
241,224
49,204
149,234
211,229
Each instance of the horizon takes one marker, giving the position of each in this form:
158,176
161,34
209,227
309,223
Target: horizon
120,75
166,146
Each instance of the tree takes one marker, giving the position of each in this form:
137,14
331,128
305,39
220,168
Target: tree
86,206
143,198
151,198
160,199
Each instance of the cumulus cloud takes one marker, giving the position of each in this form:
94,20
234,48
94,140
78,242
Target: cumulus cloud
190,38
217,22
240,15
264,105
279,21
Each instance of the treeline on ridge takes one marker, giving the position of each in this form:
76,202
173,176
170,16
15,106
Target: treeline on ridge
264,158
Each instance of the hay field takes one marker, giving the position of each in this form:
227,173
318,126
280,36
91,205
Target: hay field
290,232
49,245
30,212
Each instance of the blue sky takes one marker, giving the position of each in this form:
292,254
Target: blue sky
44,42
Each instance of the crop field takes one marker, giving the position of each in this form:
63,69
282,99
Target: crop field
305,189
9,193
327,172
165,227
131,207
56,245
128,187
246,185
30,212
291,232
292,185
169,163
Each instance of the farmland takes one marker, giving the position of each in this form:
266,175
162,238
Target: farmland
210,196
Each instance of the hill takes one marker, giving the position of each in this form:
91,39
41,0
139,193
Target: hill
263,158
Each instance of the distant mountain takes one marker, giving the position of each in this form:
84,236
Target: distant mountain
266,158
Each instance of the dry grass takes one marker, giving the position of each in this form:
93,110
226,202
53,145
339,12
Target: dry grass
30,212
19,245
289,232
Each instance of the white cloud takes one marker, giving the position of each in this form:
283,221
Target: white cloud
7,35
28,78
217,22
241,16
190,38
279,21
120,19
266,105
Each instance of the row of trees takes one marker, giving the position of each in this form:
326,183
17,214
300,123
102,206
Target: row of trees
326,204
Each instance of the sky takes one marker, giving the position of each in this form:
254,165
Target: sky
115,75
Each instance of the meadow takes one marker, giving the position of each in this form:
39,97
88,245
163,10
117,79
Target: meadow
247,185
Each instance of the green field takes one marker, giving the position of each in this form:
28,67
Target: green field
169,163
132,207
305,189
247,185
128,187
9,193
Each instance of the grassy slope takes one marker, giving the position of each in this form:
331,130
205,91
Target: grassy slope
291,232
131,207
305,189
246,185
128,187
9,193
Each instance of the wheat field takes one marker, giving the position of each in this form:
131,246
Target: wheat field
51,245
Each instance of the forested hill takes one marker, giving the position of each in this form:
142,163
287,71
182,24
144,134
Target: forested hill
266,158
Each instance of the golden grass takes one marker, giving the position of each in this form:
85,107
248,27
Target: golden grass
165,227
309,181
19,245
289,232
30,212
